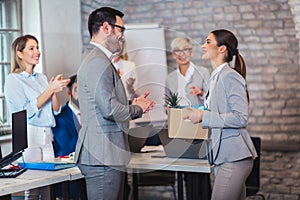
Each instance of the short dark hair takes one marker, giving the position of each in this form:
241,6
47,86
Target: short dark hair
73,79
101,15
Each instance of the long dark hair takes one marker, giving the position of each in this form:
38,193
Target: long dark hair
227,38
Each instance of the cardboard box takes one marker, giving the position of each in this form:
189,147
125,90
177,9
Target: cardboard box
180,128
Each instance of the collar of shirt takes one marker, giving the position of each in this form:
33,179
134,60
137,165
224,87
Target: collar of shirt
105,50
75,110
212,83
118,65
189,72
216,71
27,75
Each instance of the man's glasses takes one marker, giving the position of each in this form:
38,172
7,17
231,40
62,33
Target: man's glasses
122,28
179,51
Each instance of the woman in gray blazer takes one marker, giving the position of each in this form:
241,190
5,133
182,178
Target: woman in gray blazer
227,116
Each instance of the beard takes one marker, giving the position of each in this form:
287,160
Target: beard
75,101
114,43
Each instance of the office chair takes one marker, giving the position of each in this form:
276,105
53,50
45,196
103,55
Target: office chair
138,137
253,180
154,178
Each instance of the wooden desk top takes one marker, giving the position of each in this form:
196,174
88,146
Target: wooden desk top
32,179
140,161
74,173
156,161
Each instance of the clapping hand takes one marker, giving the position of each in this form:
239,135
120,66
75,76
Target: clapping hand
194,90
143,102
129,85
58,83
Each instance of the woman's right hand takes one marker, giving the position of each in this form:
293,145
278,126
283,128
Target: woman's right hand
57,84
194,115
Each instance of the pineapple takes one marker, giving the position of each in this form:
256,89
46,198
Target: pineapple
172,99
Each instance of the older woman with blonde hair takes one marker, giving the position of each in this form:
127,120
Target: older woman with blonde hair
188,80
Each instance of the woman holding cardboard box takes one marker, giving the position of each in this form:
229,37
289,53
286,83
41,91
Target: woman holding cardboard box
227,116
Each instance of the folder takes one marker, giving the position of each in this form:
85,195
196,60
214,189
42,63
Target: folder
50,166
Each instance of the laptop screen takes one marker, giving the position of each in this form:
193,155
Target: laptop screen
19,131
19,138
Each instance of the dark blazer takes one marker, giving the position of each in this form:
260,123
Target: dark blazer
105,112
65,132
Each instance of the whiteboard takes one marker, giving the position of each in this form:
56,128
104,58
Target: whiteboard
145,45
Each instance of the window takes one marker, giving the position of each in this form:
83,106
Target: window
10,28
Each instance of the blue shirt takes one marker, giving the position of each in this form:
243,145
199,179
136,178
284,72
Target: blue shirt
21,92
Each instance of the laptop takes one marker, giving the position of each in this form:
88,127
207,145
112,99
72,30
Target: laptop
182,148
19,138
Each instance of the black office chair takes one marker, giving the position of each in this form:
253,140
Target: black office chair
253,180
139,137
154,178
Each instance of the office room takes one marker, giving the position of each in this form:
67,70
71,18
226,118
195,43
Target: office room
268,34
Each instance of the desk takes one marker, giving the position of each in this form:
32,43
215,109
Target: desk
139,161
37,178
74,173
146,161
31,179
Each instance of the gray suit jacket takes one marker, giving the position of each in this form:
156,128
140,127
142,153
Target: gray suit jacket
228,114
200,79
105,112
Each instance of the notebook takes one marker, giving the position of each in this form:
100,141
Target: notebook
50,166
182,148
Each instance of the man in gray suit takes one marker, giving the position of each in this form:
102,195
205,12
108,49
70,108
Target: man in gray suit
102,149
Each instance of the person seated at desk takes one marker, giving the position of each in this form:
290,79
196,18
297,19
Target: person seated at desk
67,123
65,132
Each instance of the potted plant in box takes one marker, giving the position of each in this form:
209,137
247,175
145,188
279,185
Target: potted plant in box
172,99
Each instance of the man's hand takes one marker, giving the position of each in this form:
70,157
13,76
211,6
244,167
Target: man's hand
143,102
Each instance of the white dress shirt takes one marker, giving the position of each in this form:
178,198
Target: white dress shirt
212,82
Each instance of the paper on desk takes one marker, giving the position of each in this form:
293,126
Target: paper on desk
68,158
152,148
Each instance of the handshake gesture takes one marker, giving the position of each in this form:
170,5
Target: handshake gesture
143,102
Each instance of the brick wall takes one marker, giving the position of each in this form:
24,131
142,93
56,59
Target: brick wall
295,8
268,33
